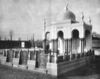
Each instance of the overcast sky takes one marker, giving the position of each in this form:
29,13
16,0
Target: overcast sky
25,17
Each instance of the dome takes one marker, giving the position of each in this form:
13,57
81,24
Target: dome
68,15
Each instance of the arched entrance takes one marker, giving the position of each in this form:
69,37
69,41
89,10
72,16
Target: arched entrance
87,40
46,42
60,42
75,41
47,39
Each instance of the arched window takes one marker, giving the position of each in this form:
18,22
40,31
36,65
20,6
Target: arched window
60,42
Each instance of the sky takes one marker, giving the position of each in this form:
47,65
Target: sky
26,17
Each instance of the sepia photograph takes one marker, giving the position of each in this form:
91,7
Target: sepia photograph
49,39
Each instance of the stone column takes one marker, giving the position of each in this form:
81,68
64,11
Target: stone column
67,46
82,47
53,46
44,45
48,57
55,58
71,50
28,54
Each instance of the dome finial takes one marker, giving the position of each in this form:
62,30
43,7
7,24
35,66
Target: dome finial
89,19
44,24
82,16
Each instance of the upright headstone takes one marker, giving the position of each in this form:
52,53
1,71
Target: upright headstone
43,60
32,60
5,53
37,59
23,58
16,54
16,59
9,56
32,55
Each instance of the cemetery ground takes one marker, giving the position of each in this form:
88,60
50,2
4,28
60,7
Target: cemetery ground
90,71
7,72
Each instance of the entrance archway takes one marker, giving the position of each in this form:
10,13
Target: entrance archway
87,40
75,41
60,42
47,39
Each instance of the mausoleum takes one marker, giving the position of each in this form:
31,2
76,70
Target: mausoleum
67,38
67,35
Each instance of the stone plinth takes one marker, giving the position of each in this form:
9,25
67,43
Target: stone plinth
9,64
31,64
60,68
52,69
43,60
2,59
22,66
15,62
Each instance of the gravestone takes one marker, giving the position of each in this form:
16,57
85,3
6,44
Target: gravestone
32,55
16,54
37,59
5,53
16,59
23,58
9,56
43,60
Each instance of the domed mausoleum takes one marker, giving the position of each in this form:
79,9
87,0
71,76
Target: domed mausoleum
68,35
67,38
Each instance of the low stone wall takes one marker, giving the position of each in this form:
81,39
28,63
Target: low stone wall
52,69
57,69
64,67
